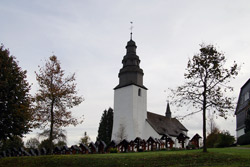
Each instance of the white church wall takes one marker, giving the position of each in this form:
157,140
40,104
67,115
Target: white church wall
186,143
149,131
176,143
179,145
184,132
139,110
122,112
129,112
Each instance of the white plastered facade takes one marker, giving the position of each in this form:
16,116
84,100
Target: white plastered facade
130,112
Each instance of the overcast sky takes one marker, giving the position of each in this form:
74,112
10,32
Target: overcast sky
89,38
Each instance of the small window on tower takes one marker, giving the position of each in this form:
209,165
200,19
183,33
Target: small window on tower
139,92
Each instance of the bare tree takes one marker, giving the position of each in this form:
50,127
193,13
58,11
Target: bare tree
206,84
32,143
212,126
121,134
58,135
85,139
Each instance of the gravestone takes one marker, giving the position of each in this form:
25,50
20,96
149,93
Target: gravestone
57,150
93,148
113,144
84,148
151,143
14,152
138,144
66,150
43,151
8,153
37,151
124,145
24,152
32,152
75,149
3,154
101,146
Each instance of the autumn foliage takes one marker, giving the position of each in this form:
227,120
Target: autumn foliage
55,97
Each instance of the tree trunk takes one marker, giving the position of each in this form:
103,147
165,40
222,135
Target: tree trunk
51,127
204,130
204,118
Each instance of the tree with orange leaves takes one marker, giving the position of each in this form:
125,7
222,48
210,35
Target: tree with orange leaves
56,95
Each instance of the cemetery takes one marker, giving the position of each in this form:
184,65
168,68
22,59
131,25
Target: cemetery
100,147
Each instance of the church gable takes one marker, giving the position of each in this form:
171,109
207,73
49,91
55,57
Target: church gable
164,125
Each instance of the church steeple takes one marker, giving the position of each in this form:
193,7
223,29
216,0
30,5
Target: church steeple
131,73
130,97
168,112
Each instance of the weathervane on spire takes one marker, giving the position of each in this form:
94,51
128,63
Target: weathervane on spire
131,29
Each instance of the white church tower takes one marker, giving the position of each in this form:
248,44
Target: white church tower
130,98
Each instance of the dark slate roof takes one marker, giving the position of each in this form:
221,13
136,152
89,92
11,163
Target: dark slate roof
241,106
113,143
163,125
84,146
93,146
248,82
130,73
168,111
196,136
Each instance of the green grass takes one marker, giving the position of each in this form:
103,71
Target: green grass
245,146
215,157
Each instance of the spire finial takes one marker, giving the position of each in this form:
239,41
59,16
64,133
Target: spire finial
168,111
131,30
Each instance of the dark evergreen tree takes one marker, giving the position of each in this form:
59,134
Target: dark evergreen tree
15,112
110,116
14,142
105,126
102,131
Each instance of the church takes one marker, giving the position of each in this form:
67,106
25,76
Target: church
131,118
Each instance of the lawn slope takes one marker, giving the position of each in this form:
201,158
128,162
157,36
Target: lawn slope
215,157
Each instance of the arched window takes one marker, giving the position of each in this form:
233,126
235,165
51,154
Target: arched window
139,92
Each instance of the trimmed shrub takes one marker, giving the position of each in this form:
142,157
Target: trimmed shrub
190,147
140,150
244,139
220,139
224,140
212,139
113,150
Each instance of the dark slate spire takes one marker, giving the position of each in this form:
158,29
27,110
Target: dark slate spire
131,73
168,112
